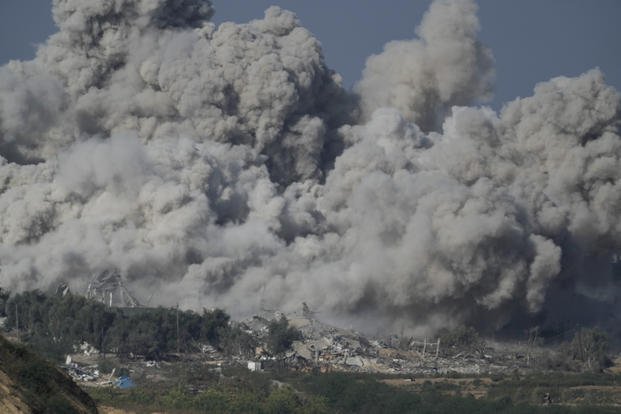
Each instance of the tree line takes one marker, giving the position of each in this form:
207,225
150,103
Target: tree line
56,323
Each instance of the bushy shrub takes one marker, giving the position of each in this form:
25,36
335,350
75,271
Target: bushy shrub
462,339
281,336
590,346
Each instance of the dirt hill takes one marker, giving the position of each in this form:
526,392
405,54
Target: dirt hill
29,384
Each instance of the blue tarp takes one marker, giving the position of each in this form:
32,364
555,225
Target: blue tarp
124,383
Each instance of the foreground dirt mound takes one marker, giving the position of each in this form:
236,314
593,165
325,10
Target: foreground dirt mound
29,384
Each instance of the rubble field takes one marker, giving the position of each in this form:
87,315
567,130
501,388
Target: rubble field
325,348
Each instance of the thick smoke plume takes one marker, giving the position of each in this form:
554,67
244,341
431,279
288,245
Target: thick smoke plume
423,78
226,166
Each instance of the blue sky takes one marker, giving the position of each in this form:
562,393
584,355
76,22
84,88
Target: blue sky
532,40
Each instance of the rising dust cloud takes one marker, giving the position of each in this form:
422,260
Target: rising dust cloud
226,166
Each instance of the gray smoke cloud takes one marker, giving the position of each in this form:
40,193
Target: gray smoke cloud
226,166
445,66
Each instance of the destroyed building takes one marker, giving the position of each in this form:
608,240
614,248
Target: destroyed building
325,348
107,287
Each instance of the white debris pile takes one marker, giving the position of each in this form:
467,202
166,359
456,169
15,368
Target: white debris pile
86,349
326,348
257,326
210,352
79,373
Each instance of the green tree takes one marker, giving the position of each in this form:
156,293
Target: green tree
234,341
464,338
214,322
281,335
590,346
282,401
4,298
56,323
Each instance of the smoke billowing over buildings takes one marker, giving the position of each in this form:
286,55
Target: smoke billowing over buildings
227,166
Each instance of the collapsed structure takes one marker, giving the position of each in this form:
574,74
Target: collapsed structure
327,348
107,287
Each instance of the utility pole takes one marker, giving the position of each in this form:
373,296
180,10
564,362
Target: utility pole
17,320
177,327
580,345
532,339
101,342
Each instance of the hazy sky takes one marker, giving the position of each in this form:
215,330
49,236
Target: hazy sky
532,40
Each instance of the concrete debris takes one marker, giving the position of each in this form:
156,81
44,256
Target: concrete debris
208,349
81,373
355,361
86,349
255,366
256,326
327,348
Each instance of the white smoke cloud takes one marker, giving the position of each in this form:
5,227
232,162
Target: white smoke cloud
224,166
